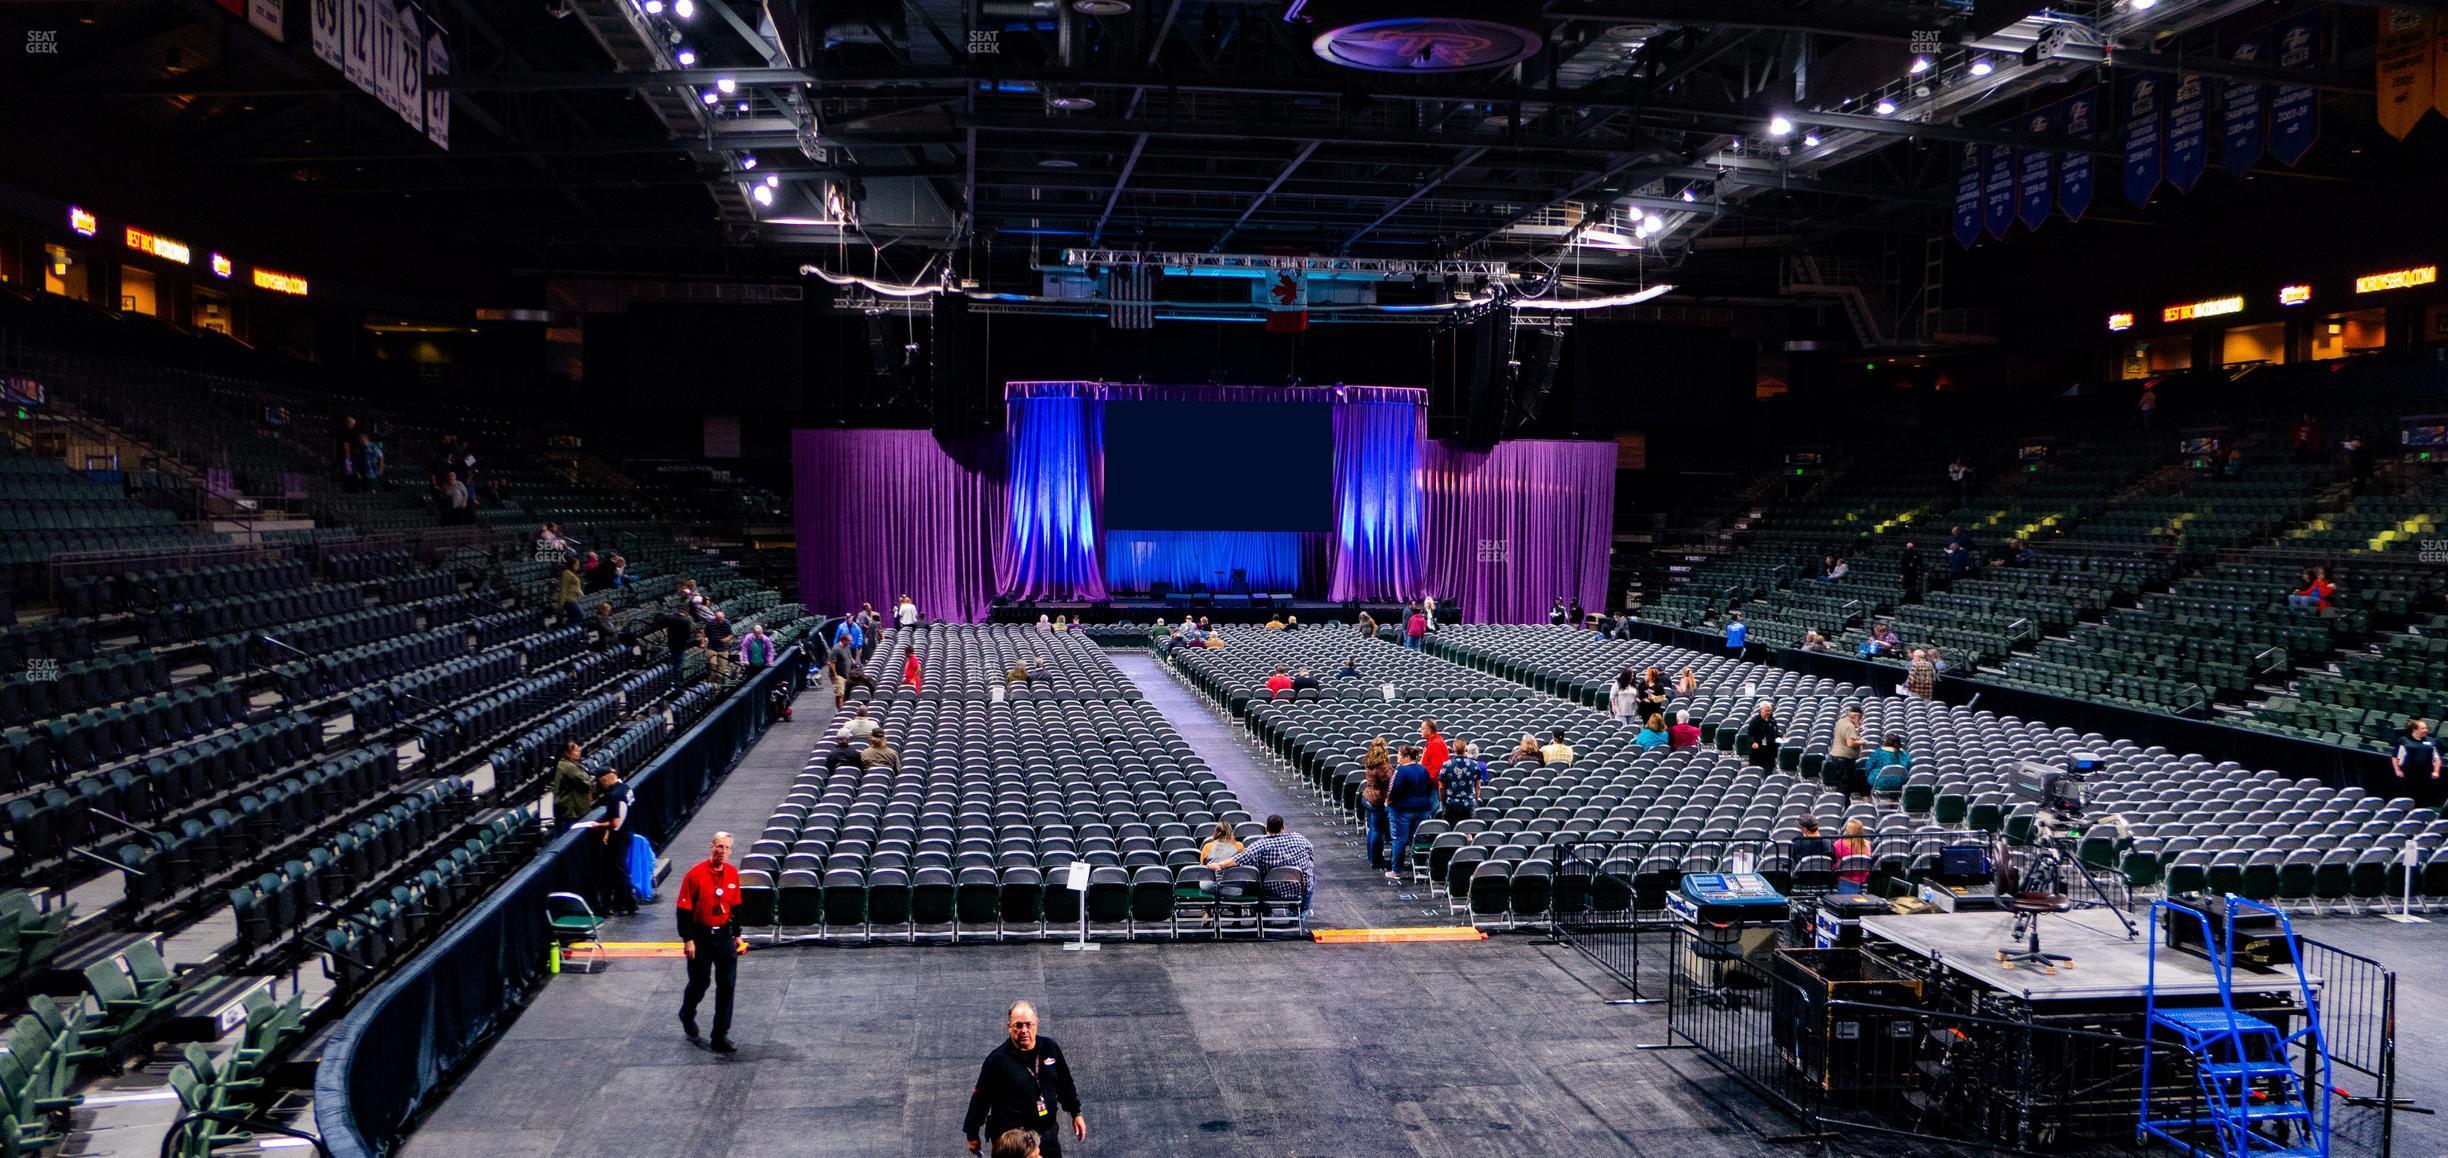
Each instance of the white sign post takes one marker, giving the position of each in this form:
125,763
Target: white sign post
1076,879
2405,905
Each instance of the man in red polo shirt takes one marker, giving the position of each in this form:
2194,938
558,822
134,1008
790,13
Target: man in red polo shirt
1278,684
709,936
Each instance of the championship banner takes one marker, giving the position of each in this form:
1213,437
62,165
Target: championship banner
437,100
386,55
2295,108
359,40
2439,64
1998,190
2188,133
2404,69
2074,185
2035,165
2142,137
1968,197
2240,108
323,16
267,17
411,80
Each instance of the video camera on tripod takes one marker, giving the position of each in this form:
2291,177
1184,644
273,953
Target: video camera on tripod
2058,791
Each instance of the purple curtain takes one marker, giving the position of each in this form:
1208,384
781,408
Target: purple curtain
1276,561
1511,529
1377,499
1056,452
884,513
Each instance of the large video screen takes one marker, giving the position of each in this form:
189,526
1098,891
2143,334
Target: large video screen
1219,466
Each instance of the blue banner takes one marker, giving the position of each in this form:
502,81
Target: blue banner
2142,136
2034,165
2240,108
2295,108
2080,126
1968,198
1998,195
2188,132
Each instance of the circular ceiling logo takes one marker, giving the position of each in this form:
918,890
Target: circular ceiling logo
1426,44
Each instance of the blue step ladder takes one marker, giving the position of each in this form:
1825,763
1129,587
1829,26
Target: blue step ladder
2255,1082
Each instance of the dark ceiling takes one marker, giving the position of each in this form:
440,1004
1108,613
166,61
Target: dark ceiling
1001,130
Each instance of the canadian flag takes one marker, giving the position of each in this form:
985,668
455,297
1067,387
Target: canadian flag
1287,302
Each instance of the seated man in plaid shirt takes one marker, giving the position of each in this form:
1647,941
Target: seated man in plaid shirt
1280,849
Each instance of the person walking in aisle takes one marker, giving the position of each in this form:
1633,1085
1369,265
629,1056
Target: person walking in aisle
709,938
1021,1085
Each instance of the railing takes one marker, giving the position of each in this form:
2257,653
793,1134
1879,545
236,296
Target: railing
1850,1041
2358,1003
410,1035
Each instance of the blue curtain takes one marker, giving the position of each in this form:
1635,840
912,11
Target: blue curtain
1379,553
1277,561
1057,455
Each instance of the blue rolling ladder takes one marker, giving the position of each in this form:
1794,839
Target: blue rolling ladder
2252,1100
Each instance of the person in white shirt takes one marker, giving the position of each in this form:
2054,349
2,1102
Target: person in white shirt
905,612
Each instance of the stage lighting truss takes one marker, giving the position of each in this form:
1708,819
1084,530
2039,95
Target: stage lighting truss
1178,263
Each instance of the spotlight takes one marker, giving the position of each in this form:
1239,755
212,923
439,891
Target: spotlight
684,9
687,58
743,106
748,161
1653,223
1886,108
654,7
1982,67
2144,5
772,180
1779,126
1687,195
1920,64
727,85
764,194
1810,140
709,96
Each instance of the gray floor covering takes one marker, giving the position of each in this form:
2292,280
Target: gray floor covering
1503,1047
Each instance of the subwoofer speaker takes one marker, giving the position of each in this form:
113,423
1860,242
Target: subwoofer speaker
960,398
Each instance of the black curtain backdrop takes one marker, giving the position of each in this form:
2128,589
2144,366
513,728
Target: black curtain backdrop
415,1030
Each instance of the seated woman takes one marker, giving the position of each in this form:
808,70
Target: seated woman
1653,733
1887,767
1853,858
1221,845
1526,752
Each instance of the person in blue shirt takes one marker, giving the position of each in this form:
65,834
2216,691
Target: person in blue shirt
1410,797
1887,767
1459,786
1652,734
849,633
1736,632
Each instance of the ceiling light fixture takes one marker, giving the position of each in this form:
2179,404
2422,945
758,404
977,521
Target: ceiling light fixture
773,180
727,85
1101,7
1886,108
748,161
1058,163
764,194
1688,198
684,9
687,58
1810,140
654,7
1920,64
709,96
1779,126
1982,67
1653,223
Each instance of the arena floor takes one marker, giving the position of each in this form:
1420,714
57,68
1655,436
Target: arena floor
1500,1047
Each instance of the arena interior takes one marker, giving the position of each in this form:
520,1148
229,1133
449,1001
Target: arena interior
1223,577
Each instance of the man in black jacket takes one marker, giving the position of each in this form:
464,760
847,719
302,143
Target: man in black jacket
1021,1085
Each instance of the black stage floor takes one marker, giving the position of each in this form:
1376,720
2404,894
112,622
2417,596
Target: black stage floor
1503,1047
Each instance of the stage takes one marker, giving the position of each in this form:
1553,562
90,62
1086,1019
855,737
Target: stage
1228,608
2107,967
